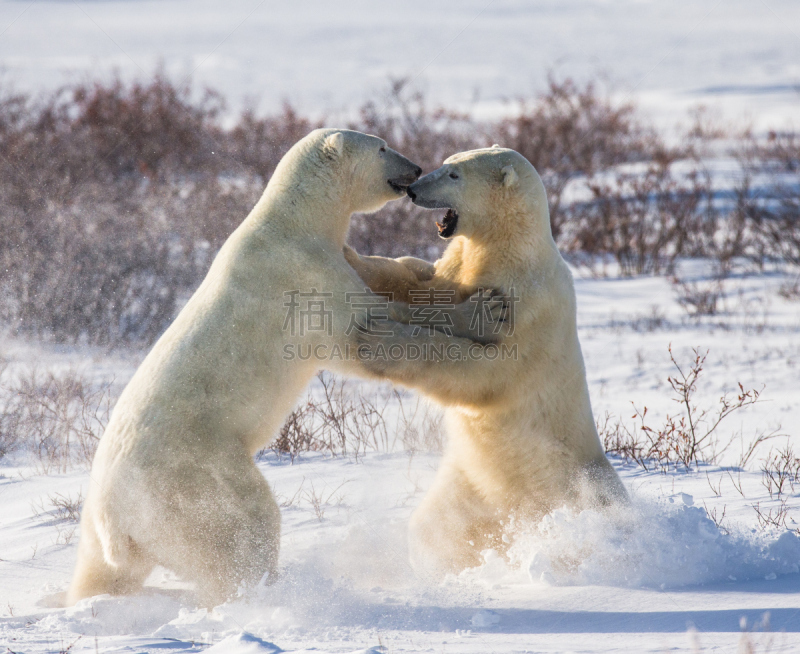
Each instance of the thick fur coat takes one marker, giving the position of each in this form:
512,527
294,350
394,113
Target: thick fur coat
173,481
521,435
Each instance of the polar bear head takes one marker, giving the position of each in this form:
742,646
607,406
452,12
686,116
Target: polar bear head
488,192
357,170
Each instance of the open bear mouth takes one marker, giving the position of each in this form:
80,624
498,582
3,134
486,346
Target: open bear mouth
449,224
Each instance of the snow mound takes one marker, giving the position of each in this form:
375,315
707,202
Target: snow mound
244,643
105,615
661,544
485,618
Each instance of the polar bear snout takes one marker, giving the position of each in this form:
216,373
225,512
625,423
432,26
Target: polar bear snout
424,193
402,172
401,184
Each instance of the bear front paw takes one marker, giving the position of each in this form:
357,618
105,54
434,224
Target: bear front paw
486,315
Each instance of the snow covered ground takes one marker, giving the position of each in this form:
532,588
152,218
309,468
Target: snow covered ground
739,56
658,576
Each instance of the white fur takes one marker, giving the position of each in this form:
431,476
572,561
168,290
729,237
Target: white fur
521,435
173,482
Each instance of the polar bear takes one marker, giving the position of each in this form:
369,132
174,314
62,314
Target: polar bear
521,436
173,481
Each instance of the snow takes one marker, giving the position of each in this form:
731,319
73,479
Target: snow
738,57
657,575
650,544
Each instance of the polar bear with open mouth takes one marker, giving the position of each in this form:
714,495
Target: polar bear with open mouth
521,436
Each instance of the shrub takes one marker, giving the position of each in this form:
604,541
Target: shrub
340,417
572,131
699,298
105,277
258,144
114,197
645,220
153,130
767,196
101,231
57,420
688,437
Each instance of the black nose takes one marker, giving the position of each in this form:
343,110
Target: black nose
418,171
411,194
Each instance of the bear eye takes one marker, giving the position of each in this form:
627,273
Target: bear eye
382,149
453,176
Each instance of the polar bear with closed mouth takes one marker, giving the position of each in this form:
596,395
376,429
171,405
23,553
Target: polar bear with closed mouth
521,436
173,482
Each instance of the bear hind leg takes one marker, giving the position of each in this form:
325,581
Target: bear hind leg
94,575
451,526
232,536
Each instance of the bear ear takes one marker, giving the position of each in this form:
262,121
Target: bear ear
334,143
510,176
495,147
